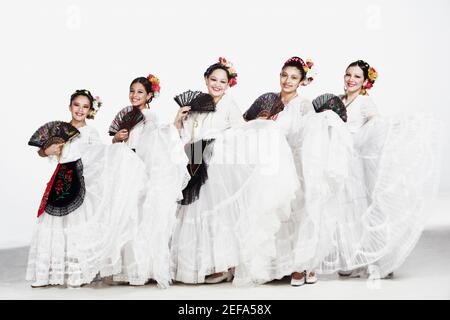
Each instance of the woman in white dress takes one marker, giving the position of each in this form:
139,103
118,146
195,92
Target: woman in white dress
159,146
299,239
229,217
394,178
76,240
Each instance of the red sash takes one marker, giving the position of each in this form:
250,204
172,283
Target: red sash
47,192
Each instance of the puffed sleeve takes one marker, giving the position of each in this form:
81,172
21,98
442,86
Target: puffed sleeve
306,106
94,136
235,115
368,109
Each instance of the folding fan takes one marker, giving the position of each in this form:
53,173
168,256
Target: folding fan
53,132
265,106
197,100
329,101
126,119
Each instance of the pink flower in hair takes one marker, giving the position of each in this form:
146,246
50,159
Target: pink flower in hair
231,71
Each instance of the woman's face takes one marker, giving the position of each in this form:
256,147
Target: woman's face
354,79
217,83
138,95
290,79
80,108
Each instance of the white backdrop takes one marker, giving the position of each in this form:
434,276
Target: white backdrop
49,48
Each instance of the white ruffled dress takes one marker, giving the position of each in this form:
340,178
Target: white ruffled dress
73,249
366,203
251,178
321,147
161,149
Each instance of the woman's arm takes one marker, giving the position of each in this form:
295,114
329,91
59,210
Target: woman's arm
235,115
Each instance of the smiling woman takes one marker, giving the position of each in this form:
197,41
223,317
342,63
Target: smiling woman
84,220
288,110
241,175
160,148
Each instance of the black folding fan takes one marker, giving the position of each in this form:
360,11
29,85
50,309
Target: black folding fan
197,100
126,119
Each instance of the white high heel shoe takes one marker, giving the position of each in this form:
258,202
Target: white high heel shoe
298,282
40,284
226,276
310,279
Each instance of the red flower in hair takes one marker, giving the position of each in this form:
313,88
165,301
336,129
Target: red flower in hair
368,85
232,82
155,85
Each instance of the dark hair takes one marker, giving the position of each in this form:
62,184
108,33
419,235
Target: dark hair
147,85
87,94
216,66
297,63
363,65
84,93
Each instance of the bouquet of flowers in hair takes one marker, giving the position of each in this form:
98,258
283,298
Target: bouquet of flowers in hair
231,71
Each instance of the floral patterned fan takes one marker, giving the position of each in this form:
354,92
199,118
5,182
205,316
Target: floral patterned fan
53,132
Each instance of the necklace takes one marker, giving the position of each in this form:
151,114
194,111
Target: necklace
349,102
193,168
194,125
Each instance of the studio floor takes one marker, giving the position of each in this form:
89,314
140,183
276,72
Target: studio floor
424,275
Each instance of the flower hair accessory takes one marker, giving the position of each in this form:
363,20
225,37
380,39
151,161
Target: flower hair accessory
231,71
154,81
308,67
372,75
96,105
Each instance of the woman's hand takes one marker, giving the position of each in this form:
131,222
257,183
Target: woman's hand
181,116
120,136
53,150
